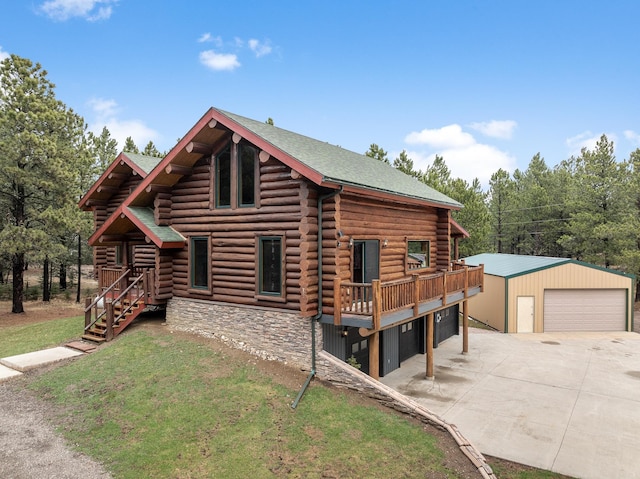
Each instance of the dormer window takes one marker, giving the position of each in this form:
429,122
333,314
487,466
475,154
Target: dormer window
235,176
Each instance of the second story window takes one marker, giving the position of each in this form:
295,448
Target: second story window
223,178
235,176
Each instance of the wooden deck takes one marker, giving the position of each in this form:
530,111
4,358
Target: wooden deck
379,305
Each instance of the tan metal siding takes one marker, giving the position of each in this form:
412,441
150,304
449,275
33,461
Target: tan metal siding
584,310
489,306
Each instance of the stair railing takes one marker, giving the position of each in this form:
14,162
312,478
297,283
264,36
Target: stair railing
134,300
102,297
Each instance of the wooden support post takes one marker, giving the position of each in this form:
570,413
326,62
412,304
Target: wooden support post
377,303
416,294
429,346
87,312
444,288
465,326
145,285
374,355
110,317
466,281
337,302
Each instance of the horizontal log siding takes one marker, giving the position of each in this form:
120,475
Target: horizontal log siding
443,258
124,190
144,256
363,218
282,211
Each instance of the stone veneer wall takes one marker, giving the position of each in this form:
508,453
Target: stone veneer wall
271,334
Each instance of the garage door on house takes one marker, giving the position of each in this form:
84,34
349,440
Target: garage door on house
585,310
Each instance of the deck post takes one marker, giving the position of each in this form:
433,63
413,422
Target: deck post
466,281
416,294
465,326
374,355
429,354
377,304
337,302
444,287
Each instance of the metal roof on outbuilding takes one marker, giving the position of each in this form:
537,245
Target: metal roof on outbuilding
511,265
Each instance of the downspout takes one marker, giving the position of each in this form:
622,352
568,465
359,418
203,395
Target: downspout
318,314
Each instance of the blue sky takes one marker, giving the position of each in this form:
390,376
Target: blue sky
486,84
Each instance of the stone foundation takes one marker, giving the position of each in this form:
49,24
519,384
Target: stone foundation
270,334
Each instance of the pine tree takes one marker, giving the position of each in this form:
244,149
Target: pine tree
130,145
378,153
39,165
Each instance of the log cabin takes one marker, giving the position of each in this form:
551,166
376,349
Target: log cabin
281,243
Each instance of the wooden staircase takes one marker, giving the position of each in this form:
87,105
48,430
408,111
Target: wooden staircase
117,306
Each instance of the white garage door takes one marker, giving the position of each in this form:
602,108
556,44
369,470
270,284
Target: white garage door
585,310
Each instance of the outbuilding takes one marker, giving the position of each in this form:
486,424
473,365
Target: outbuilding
524,294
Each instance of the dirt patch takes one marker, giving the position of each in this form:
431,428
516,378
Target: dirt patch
38,311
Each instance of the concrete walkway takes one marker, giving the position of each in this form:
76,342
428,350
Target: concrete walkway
566,402
15,365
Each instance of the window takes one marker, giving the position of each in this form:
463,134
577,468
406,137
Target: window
199,262
271,266
223,179
246,175
235,176
418,254
119,255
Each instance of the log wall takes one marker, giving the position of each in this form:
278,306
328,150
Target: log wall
285,207
368,218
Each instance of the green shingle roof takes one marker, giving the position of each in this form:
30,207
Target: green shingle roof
146,163
163,233
337,165
510,265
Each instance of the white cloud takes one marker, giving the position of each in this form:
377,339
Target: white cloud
3,54
90,10
630,135
106,114
219,61
208,38
450,136
496,128
260,49
463,155
587,140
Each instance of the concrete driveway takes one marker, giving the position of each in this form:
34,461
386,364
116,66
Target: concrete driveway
566,402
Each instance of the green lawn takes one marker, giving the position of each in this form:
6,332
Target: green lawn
25,339
153,405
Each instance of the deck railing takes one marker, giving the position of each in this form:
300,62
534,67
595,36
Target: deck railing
376,299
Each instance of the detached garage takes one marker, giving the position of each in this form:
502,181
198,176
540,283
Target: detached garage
537,294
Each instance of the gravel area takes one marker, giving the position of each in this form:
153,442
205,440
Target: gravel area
29,446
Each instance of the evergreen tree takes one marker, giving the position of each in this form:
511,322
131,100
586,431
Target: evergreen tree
151,150
405,164
598,208
104,149
501,198
630,255
130,146
378,153
474,217
39,165
437,175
